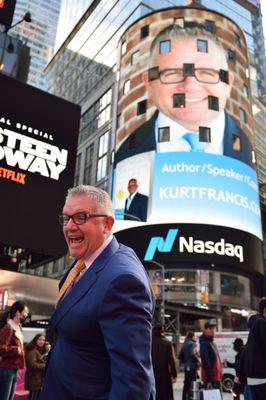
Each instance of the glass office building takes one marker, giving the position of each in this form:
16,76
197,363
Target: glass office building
39,35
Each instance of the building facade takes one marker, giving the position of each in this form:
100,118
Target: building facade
39,35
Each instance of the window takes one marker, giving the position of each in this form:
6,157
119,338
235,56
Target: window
88,165
179,22
126,87
96,116
123,48
204,134
102,157
237,39
245,91
118,121
202,45
236,143
231,54
165,46
179,100
131,142
134,57
77,170
144,31
142,107
213,103
210,26
164,134
243,115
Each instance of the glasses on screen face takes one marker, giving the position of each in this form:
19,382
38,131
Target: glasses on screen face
79,218
176,75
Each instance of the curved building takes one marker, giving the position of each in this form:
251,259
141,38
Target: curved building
185,182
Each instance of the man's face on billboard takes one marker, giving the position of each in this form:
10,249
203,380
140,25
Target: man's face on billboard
132,186
196,112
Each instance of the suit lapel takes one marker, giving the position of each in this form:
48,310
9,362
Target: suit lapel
228,142
84,284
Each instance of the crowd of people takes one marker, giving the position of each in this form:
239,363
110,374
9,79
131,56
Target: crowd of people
16,356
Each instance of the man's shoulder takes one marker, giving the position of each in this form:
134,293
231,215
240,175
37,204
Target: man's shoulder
6,329
140,140
141,196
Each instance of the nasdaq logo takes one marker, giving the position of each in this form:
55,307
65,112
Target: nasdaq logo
161,244
192,245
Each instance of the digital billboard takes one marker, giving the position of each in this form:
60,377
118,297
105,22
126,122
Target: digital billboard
38,141
185,128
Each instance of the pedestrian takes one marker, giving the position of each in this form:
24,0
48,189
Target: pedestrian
11,348
255,354
189,357
104,310
211,366
35,366
164,364
238,387
47,348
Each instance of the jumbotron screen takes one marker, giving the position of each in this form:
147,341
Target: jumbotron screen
38,141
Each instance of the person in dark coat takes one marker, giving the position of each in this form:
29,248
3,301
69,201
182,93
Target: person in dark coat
164,364
35,366
136,204
238,387
255,354
211,367
189,356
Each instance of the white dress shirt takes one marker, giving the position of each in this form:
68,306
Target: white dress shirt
177,131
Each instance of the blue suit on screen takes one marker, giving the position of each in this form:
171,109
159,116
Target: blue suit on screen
144,140
103,324
138,208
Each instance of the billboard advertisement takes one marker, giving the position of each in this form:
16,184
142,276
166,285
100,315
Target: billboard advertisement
185,129
38,141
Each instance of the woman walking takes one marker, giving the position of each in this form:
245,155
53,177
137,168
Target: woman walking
35,366
11,348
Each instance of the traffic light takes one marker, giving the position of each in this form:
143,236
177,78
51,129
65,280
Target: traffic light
7,8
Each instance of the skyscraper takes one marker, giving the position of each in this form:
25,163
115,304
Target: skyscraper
39,35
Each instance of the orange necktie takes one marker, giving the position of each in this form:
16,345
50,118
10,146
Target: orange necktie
70,280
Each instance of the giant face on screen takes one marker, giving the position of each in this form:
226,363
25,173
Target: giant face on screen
38,138
184,136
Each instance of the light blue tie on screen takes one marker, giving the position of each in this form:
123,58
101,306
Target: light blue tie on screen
193,141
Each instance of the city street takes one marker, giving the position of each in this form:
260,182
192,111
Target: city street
179,385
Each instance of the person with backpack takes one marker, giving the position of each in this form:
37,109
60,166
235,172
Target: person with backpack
189,357
11,348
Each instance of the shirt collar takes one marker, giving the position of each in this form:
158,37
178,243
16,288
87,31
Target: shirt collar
131,197
177,131
88,261
17,329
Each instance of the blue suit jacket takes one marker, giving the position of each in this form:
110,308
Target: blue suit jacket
144,140
103,349
138,208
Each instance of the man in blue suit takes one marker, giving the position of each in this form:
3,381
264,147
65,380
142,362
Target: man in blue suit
104,311
189,83
136,204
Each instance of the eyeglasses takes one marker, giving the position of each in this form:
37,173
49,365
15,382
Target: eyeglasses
178,75
79,218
